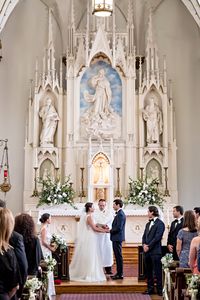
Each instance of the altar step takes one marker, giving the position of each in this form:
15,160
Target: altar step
127,285
130,253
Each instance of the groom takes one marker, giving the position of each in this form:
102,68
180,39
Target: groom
117,236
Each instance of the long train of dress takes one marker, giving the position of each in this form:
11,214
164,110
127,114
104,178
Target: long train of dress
86,263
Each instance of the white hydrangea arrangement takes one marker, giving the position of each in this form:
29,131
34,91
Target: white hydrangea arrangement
32,285
54,192
167,260
59,242
143,193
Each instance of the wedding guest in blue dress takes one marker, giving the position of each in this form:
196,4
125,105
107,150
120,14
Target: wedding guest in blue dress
184,238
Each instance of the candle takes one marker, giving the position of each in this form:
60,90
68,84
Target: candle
5,173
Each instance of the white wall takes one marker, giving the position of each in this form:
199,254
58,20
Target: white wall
24,38
179,38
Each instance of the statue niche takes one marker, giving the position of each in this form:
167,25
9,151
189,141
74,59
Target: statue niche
154,171
152,116
47,170
50,118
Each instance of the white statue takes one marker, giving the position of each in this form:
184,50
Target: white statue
50,120
102,97
153,117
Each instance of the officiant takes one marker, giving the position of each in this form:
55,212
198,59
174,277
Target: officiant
104,217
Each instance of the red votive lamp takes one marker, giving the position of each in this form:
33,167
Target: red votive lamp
5,173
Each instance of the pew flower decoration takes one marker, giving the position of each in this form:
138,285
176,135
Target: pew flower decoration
54,192
193,282
50,264
59,243
32,285
143,193
167,260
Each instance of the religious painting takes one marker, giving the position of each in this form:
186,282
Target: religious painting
101,101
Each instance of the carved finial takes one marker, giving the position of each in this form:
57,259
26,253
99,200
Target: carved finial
130,13
51,50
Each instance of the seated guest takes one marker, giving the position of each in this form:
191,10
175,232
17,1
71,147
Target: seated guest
9,275
194,249
25,225
16,241
176,225
184,238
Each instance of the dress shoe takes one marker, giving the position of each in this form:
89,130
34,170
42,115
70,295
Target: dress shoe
148,292
160,293
117,277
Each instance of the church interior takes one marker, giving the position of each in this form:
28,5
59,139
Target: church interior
99,102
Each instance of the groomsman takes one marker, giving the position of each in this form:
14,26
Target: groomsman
117,236
176,225
197,212
103,218
151,242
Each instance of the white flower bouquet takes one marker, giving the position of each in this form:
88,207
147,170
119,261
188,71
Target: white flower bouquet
54,192
48,264
59,242
32,285
167,260
193,282
143,193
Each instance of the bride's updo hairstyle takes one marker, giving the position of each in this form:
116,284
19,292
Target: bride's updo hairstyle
88,205
44,218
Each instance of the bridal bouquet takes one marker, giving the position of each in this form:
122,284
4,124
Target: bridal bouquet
32,285
59,243
54,192
143,193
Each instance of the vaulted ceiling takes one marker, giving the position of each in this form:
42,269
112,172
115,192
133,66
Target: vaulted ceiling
62,9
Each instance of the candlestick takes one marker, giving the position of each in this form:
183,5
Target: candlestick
166,193
118,193
141,173
82,192
35,191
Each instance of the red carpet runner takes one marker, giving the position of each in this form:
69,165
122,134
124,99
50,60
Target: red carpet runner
121,296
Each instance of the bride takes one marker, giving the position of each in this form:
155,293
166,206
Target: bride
86,263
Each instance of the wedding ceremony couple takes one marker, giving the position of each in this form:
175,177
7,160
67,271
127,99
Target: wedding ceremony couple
92,248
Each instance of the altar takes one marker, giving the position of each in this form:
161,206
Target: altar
103,117
65,222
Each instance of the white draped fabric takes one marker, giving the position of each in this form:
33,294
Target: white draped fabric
86,263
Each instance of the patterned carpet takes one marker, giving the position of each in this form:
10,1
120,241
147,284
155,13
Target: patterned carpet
121,296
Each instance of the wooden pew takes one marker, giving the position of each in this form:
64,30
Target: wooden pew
180,283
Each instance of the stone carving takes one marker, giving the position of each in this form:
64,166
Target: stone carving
99,119
152,115
50,120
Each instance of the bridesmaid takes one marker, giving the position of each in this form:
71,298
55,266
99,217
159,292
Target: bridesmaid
47,249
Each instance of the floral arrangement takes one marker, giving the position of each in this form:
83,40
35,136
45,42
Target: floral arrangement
193,282
54,192
59,243
143,193
32,285
48,264
167,260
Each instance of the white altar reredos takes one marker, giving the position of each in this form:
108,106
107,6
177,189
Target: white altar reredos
104,108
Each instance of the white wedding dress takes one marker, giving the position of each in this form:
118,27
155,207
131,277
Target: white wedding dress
86,263
46,252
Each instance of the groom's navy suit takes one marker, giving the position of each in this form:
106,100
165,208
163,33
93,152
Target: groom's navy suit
152,238
117,236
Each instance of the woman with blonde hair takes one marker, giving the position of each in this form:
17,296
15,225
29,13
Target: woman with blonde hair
9,275
184,238
195,244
